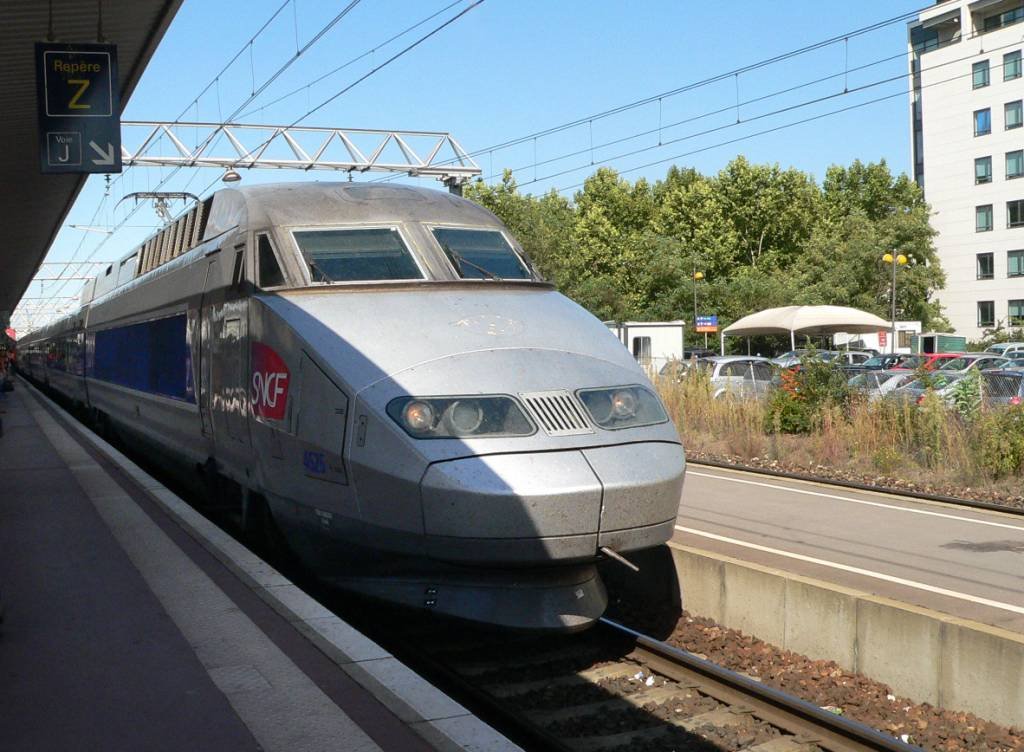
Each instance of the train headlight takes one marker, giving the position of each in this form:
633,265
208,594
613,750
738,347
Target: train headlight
465,416
622,407
418,416
460,417
623,404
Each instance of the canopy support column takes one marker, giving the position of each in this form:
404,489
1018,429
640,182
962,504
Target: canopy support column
792,340
722,349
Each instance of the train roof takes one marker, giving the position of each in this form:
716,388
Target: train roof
292,204
288,204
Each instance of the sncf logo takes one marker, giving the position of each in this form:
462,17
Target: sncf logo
269,384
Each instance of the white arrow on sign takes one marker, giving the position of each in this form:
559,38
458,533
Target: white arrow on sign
106,157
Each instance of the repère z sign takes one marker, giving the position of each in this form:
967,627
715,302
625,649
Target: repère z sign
79,107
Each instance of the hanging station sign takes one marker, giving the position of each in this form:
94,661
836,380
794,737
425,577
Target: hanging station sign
79,108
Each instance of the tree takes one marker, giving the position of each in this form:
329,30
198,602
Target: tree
763,237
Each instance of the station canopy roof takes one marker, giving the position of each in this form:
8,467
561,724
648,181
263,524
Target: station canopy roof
807,320
34,205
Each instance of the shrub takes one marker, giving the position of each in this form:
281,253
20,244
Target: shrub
965,394
887,460
788,412
998,442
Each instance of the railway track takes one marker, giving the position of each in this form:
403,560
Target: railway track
615,689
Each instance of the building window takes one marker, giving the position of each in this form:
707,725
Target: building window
982,170
1016,313
642,349
1014,164
986,313
1015,264
980,74
986,266
1011,66
1015,213
1012,114
982,122
983,218
1007,18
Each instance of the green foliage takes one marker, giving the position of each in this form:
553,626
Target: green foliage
887,460
994,336
999,442
965,394
763,237
786,412
805,395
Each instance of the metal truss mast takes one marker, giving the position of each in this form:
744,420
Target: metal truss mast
238,145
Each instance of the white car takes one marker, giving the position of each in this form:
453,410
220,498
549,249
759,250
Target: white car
738,375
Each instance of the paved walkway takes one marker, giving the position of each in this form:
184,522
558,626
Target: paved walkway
956,560
122,633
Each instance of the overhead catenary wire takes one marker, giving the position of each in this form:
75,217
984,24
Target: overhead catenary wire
693,86
256,92
362,78
803,121
817,100
215,81
305,87
322,104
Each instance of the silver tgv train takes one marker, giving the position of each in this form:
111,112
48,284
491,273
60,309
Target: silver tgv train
392,386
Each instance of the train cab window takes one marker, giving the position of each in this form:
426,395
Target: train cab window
357,255
481,254
270,271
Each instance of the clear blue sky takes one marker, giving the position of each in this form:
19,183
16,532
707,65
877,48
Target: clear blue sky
512,67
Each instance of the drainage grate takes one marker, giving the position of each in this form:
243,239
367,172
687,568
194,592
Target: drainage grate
557,412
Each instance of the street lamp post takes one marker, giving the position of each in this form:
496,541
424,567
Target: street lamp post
895,261
697,277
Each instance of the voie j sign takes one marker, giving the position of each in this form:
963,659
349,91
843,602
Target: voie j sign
79,107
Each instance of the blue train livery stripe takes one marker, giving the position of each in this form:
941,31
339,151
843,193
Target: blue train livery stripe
153,357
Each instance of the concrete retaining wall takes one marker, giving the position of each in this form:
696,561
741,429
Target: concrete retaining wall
924,655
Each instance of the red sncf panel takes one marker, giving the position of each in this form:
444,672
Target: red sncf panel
269,382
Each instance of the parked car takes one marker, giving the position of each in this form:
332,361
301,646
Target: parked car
1003,387
848,357
931,361
887,362
791,357
876,384
738,375
1005,348
699,352
939,382
966,361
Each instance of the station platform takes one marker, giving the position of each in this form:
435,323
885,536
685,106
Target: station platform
131,622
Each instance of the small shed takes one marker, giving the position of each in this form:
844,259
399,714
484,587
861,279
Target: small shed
653,343
938,342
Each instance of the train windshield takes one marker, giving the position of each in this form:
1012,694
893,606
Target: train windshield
358,255
481,254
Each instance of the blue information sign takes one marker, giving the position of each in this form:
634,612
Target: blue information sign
79,107
707,323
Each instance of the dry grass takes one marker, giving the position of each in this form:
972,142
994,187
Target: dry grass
928,445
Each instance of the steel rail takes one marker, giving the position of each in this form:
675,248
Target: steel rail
808,722
988,506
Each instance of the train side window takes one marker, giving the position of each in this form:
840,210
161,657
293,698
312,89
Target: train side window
238,273
269,270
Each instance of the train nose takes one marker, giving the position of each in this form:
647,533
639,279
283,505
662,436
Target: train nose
548,507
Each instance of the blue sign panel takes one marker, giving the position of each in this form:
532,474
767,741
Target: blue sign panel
79,107
707,320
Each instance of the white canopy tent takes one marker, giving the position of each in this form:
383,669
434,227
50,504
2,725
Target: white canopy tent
795,320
